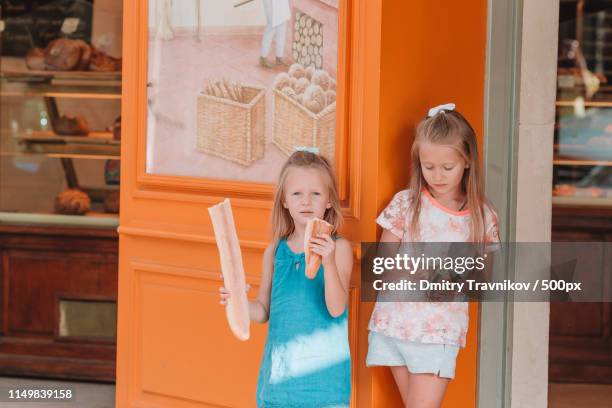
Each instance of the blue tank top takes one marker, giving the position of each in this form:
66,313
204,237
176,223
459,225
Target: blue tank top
306,360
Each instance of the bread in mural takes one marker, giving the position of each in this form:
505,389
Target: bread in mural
223,88
312,88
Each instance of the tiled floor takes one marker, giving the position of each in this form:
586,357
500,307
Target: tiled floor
87,395
579,395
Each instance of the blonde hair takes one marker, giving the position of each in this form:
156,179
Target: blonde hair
452,129
282,223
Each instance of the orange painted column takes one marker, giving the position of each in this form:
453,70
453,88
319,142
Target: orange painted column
433,52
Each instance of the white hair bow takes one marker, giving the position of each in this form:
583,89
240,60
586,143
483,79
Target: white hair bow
312,149
440,108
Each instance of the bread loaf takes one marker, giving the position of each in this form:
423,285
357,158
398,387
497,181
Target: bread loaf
314,98
71,126
103,63
35,59
321,78
63,54
330,97
281,81
301,85
237,309
72,202
297,71
86,53
314,227
111,202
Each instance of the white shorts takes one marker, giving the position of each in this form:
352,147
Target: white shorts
419,358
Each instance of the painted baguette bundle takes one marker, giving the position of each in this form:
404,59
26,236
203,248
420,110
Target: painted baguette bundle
223,88
237,309
314,227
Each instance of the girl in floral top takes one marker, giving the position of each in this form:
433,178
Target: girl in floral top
445,203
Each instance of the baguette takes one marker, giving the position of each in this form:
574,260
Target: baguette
237,309
314,227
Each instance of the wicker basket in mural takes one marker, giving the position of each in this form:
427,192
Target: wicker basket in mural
296,126
233,130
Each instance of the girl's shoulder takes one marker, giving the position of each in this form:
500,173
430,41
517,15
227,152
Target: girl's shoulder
405,194
344,248
270,250
403,198
490,214
342,242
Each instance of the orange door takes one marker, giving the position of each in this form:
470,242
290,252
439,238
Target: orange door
174,346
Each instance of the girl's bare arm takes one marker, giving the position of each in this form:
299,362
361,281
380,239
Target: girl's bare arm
259,309
338,277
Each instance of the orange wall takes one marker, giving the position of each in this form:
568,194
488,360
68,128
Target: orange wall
433,52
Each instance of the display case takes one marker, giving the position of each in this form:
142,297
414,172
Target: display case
582,173
580,333
60,146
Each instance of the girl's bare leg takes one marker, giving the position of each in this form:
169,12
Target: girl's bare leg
402,379
420,390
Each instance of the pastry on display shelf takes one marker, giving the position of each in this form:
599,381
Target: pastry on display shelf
567,190
70,126
65,54
72,202
35,59
111,202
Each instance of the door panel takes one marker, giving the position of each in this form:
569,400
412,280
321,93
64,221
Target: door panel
175,348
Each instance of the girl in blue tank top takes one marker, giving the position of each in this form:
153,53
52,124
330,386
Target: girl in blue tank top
306,360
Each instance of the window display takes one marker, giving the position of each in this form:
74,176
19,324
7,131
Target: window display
583,133
61,100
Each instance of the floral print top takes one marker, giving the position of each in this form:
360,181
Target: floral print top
428,322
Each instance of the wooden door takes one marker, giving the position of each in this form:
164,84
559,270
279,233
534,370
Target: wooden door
174,345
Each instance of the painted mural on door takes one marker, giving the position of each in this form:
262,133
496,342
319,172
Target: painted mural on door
234,87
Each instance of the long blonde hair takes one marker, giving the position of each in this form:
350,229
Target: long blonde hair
450,128
282,223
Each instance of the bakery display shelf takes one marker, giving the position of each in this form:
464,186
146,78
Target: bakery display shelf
588,104
38,76
14,69
61,91
580,162
60,84
68,151
62,155
569,201
93,138
98,194
92,219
